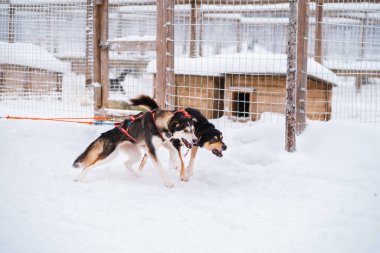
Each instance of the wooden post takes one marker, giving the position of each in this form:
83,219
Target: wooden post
290,117
302,42
96,52
318,54
100,67
170,75
104,58
193,29
89,27
164,50
11,24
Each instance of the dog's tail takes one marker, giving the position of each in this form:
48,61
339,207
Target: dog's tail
144,101
90,155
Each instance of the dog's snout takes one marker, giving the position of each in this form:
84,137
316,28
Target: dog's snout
195,141
224,147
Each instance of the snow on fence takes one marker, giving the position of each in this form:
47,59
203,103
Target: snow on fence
226,57
43,58
230,59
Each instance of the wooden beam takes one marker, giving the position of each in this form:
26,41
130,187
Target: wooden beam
161,54
164,50
96,54
193,28
100,51
88,76
318,53
104,58
302,42
170,76
144,45
290,111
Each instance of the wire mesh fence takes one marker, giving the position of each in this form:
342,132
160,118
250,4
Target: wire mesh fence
229,57
134,25
235,63
43,58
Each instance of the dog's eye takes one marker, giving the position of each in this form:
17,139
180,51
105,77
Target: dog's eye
213,140
186,131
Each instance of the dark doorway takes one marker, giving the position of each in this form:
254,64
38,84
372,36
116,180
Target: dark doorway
240,104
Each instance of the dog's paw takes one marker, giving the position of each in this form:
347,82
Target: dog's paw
169,185
184,178
133,173
190,171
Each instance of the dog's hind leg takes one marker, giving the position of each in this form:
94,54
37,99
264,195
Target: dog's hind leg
134,157
85,170
99,153
143,162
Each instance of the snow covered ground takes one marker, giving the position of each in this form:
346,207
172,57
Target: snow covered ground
257,198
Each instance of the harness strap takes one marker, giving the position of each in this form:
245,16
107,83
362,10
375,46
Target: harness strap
154,121
125,131
120,127
153,113
185,113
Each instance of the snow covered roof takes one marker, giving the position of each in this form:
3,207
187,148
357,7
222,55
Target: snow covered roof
31,55
258,62
275,20
353,65
135,38
71,1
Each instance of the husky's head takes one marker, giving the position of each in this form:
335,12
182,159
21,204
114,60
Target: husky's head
212,140
182,128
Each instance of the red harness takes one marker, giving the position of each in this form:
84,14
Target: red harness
185,113
132,118
125,131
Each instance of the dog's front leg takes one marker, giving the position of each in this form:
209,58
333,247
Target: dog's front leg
183,175
156,163
190,167
177,160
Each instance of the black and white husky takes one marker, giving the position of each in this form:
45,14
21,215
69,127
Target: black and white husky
149,131
208,136
115,83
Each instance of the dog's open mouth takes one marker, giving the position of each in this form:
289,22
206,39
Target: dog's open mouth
217,152
187,144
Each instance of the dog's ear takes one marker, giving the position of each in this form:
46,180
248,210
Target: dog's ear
173,125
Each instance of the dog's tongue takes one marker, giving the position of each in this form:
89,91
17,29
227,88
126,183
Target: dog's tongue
187,144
